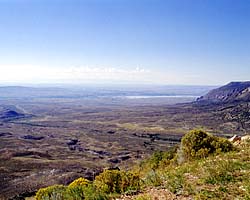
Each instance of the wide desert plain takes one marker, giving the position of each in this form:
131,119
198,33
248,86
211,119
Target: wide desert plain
55,135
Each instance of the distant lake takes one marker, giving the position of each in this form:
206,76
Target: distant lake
161,96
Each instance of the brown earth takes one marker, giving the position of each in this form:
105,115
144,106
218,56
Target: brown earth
55,141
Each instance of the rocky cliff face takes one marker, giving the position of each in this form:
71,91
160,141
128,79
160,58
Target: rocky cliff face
232,92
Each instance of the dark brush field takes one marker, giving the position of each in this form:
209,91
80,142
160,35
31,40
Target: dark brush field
52,136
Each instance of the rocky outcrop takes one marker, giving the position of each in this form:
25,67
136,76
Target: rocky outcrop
239,139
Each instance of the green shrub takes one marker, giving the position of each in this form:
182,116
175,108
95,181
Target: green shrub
87,192
72,192
155,159
152,179
55,192
75,193
199,144
115,181
77,189
175,181
222,145
158,159
79,182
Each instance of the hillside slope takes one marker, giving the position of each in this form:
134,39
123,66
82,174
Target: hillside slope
224,176
230,104
232,92
211,168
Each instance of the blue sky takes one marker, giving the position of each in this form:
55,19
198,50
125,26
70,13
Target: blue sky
124,41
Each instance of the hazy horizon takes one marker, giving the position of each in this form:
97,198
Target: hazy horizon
102,84
152,42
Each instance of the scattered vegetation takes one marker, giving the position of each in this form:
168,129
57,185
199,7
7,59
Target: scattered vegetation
212,168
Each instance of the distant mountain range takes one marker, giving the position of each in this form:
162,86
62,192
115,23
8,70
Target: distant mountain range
232,92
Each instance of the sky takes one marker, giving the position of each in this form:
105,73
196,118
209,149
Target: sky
186,42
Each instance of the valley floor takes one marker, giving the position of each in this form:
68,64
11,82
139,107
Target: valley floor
55,142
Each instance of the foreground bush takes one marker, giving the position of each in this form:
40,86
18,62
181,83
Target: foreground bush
161,158
72,192
54,192
199,144
115,181
79,182
108,182
87,192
